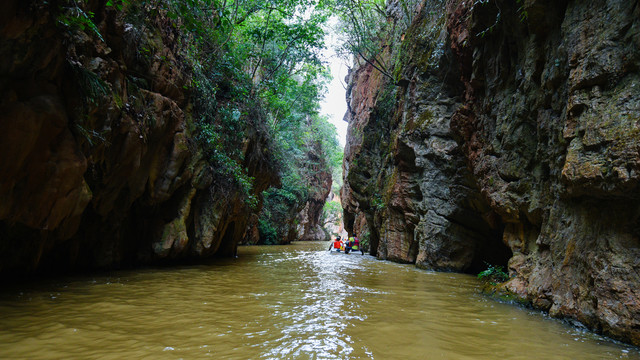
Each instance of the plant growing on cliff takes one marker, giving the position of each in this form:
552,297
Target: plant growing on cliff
364,26
368,25
73,17
254,66
255,73
307,155
377,203
281,206
365,239
493,274
520,11
331,214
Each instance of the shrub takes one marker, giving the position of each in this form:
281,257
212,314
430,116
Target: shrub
493,274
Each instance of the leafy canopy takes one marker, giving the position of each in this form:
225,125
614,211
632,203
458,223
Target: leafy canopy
255,66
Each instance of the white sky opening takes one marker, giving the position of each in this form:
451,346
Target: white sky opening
334,105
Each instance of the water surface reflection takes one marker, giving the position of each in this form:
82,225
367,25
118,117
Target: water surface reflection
284,302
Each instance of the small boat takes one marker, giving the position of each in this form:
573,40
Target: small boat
343,246
342,251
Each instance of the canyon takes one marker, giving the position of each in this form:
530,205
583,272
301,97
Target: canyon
485,133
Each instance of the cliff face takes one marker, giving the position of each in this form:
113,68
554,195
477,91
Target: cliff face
510,135
292,212
97,163
407,187
308,219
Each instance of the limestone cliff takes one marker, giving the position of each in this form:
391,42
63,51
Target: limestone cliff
98,165
508,135
308,226
292,212
405,175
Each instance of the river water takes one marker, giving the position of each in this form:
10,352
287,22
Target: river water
282,302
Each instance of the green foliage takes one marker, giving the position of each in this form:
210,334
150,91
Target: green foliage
281,206
255,69
493,274
281,42
91,136
377,202
366,27
385,104
363,25
74,18
408,9
305,148
365,239
268,233
331,214
93,88
255,65
331,151
117,5
522,14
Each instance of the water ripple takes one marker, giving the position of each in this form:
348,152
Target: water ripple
285,302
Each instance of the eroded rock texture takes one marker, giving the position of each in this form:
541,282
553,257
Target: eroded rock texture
308,227
97,163
509,132
406,177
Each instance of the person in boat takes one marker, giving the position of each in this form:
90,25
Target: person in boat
348,244
353,244
356,244
337,244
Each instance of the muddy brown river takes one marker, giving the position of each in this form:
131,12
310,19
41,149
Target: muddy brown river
282,302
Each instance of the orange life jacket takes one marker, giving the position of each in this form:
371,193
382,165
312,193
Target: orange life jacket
337,244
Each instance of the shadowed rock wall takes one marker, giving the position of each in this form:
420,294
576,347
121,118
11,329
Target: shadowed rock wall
97,163
510,133
407,186
308,219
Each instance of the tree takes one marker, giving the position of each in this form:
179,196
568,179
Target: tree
254,64
366,24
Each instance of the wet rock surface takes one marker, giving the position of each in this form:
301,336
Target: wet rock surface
512,138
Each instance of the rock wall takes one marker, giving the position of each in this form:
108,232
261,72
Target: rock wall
406,183
509,135
308,220
98,167
292,211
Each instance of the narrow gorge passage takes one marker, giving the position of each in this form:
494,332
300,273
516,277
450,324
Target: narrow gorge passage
286,302
491,137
